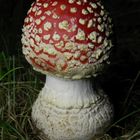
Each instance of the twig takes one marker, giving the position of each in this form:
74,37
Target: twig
11,83
130,90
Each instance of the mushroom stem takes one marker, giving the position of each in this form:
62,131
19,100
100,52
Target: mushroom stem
71,110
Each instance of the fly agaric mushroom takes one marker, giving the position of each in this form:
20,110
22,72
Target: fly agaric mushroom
69,41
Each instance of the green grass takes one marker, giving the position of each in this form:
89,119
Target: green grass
19,87
18,90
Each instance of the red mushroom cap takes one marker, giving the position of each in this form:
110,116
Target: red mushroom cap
69,38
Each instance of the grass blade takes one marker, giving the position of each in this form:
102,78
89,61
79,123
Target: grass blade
2,77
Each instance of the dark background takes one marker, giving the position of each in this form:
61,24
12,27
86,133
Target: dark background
121,79
12,14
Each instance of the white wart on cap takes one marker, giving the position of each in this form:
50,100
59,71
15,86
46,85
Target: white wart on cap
69,38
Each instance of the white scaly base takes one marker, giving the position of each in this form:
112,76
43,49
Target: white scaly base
71,110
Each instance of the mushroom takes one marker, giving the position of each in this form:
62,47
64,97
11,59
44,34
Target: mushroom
69,41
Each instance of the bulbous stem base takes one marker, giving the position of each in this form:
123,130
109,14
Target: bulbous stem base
71,110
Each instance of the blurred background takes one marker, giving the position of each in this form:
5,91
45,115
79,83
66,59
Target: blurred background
121,80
